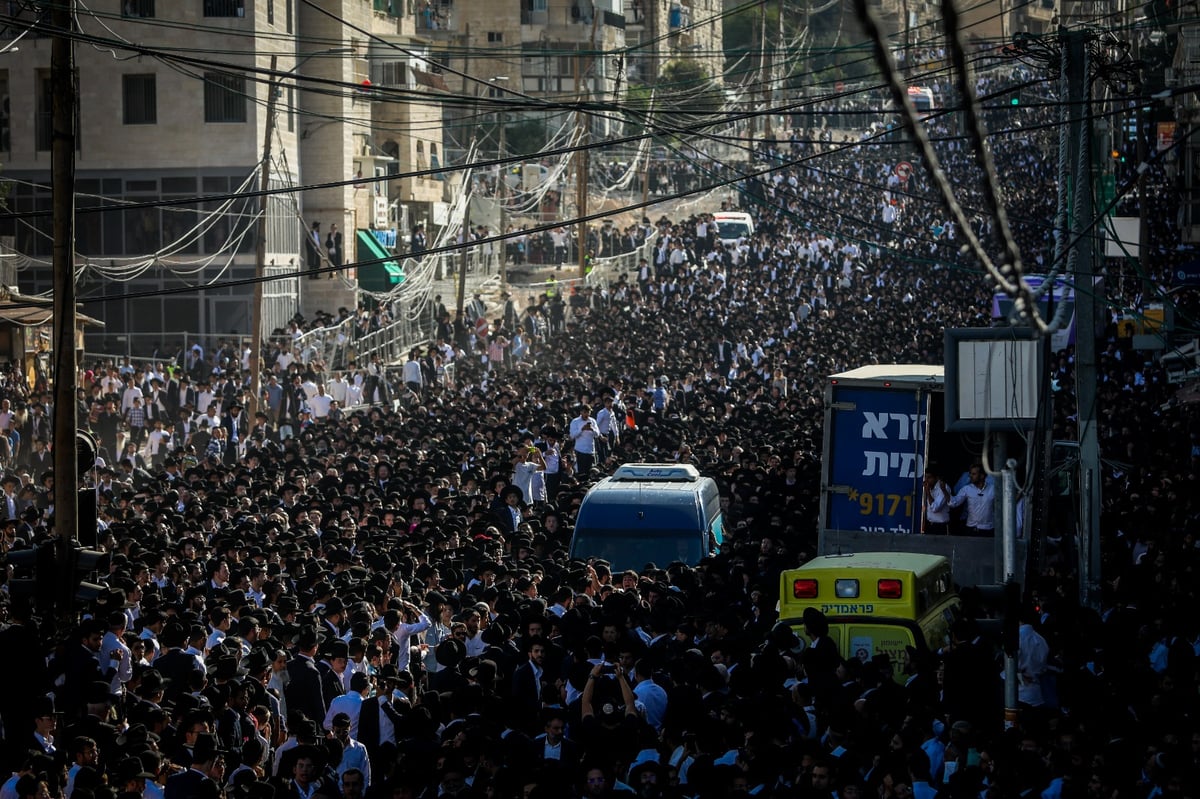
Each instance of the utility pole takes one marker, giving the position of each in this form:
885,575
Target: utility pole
64,110
1009,531
581,175
762,57
502,200
466,236
1079,157
260,251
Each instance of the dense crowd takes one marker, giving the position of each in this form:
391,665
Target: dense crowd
308,597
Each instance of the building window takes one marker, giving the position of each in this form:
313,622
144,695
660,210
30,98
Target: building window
495,37
291,108
270,12
420,156
138,8
224,8
287,6
138,92
224,97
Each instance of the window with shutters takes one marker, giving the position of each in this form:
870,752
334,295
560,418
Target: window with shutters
139,99
224,97
143,9
224,8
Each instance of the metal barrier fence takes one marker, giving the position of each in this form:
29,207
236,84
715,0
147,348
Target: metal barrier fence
149,349
332,347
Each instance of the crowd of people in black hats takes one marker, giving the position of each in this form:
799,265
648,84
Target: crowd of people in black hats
380,603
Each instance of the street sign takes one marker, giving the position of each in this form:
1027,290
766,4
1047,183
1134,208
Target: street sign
904,171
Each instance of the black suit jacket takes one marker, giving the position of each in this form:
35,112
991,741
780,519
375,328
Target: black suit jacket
526,699
304,689
80,670
331,685
185,785
380,753
503,518
178,667
569,753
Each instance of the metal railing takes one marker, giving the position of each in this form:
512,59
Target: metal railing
606,270
329,348
391,342
148,349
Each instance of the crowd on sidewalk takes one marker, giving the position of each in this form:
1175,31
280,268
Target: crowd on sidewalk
378,602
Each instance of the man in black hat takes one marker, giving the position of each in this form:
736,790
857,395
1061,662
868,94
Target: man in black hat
130,776
509,515
10,506
335,616
237,428
304,689
208,766
305,781
45,725
332,668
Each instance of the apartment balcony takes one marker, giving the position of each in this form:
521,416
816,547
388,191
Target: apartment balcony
635,14
438,19
572,23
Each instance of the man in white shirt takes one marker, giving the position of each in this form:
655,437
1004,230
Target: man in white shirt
979,495
937,503
309,387
350,703
131,391
402,631
1032,654
338,388
113,650
412,373
606,423
583,432
319,403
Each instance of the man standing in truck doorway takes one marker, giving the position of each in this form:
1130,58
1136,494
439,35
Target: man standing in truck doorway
936,502
979,495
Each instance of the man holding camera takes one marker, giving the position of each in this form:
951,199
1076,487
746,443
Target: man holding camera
583,433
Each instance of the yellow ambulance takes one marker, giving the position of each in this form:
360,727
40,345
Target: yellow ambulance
876,602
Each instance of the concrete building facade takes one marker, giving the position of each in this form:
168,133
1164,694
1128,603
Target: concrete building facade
187,126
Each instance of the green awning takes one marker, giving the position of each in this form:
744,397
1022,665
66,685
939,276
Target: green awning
383,275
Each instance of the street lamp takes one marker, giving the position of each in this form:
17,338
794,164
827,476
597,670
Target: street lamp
260,252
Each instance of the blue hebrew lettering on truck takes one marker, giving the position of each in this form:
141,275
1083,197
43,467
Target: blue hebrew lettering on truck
878,455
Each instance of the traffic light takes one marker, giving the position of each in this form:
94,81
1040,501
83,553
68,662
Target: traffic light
33,573
1015,100
81,563
996,610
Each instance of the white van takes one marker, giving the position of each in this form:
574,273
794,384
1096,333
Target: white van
733,225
